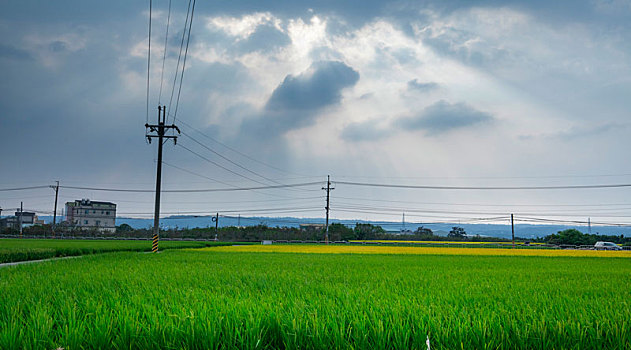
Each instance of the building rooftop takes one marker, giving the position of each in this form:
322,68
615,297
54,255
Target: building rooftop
87,202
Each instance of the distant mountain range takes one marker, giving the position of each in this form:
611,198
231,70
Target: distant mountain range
492,230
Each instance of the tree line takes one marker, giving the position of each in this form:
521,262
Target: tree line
337,232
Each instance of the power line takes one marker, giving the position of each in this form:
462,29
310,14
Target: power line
179,57
23,188
149,59
487,205
221,166
283,209
222,182
236,151
164,56
231,161
191,190
196,174
228,159
482,188
188,39
543,220
580,212
484,177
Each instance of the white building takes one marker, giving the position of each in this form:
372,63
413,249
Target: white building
87,214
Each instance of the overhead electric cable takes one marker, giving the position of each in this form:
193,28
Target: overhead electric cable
164,55
487,205
577,212
221,182
226,158
231,161
219,165
22,188
196,174
188,39
484,177
179,56
481,187
191,190
237,151
149,59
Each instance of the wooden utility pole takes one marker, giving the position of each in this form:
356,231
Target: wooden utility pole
328,191
56,188
512,228
160,131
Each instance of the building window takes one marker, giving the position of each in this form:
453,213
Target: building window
98,223
107,213
85,222
87,212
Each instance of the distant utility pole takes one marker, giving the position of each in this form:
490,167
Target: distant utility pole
56,188
20,219
589,225
512,228
160,131
215,219
328,191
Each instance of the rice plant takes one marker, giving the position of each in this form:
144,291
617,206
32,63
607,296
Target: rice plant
246,300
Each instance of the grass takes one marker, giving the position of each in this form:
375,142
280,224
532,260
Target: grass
246,300
419,250
12,250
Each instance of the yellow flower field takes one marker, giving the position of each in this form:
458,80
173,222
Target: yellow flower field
354,249
443,242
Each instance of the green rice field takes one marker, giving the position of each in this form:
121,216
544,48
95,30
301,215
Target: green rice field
12,250
187,299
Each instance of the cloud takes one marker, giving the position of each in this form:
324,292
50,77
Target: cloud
443,117
319,87
365,131
11,52
264,38
579,132
415,85
295,103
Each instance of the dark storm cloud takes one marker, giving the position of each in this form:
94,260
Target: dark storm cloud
443,116
415,85
312,91
296,101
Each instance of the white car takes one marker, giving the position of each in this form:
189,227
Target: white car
606,246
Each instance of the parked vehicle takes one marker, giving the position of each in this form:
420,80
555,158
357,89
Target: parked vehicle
606,246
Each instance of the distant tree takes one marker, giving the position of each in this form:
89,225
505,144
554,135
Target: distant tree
339,232
422,231
571,236
368,231
457,232
124,228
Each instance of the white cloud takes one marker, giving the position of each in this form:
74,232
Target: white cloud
242,27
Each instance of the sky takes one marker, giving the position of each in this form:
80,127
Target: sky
429,93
